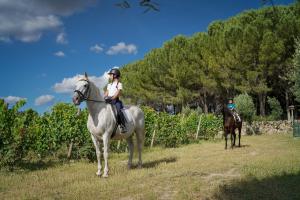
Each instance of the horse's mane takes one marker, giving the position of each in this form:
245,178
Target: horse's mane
93,86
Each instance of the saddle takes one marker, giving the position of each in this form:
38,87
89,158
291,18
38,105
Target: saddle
121,120
236,116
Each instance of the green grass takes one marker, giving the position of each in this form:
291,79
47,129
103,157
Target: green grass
265,167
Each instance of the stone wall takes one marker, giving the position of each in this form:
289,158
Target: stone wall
267,127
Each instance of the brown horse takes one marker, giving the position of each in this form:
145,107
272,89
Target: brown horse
230,125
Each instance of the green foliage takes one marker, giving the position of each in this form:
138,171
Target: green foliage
245,107
186,111
250,52
174,130
16,135
296,88
52,133
210,126
276,110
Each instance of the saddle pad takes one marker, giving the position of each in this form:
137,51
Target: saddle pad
127,115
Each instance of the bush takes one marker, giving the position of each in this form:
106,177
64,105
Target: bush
210,126
276,110
173,130
245,107
17,137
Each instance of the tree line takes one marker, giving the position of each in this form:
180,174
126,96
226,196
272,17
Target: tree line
251,53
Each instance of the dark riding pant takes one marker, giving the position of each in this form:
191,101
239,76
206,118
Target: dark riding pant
120,116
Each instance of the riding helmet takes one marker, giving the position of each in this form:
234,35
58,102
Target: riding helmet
115,72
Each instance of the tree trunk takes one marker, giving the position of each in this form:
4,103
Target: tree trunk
262,103
287,105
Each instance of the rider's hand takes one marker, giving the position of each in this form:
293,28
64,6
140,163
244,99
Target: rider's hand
107,99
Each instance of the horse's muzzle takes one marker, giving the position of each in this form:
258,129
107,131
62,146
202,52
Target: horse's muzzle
76,100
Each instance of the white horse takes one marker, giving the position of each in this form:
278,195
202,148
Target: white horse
102,121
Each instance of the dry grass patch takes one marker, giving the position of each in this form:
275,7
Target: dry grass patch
261,169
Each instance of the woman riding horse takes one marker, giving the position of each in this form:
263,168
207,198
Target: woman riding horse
231,121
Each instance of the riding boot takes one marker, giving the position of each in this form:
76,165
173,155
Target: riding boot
122,122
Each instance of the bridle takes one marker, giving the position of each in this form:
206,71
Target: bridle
85,96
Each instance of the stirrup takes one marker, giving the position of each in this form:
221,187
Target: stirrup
123,129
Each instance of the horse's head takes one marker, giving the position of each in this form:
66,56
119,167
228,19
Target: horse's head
82,90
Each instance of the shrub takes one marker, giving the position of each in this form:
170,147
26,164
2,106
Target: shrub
16,136
173,130
245,106
276,110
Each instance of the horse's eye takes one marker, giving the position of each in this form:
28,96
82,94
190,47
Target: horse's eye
85,86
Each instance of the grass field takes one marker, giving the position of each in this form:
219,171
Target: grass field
265,167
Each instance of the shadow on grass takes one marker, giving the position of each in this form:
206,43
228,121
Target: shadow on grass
38,165
242,146
281,187
28,166
154,163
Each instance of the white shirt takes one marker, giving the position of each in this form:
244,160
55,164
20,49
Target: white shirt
112,88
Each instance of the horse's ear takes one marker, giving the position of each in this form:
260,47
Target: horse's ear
86,76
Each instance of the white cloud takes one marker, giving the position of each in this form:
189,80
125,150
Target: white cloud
30,37
60,54
44,99
27,20
12,99
96,48
61,38
122,48
68,85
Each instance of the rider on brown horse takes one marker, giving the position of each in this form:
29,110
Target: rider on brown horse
232,108
231,121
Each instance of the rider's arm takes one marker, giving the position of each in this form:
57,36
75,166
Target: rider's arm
105,93
117,94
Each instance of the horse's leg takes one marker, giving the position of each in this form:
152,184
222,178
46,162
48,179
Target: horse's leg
130,148
140,143
231,137
240,130
105,153
234,137
98,153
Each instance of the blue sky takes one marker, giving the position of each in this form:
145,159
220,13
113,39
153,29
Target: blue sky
44,44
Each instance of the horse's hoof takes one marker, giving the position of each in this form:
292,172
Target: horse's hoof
105,176
98,174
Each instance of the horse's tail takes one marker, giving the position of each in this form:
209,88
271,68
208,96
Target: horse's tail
140,126
139,123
